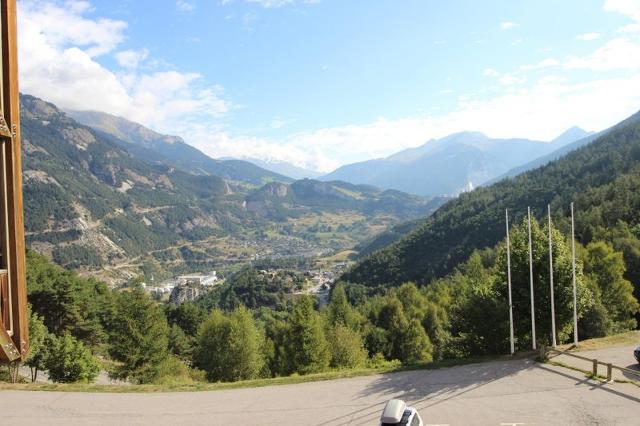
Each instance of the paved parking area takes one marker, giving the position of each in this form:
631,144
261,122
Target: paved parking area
621,356
510,392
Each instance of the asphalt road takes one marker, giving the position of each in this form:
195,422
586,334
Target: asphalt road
494,393
622,356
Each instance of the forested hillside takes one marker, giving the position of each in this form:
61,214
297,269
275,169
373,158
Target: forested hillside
602,179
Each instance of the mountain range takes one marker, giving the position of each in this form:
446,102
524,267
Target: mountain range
600,174
451,165
446,166
119,200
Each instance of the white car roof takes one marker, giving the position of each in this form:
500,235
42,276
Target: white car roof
393,411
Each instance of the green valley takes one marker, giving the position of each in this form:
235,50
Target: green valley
151,205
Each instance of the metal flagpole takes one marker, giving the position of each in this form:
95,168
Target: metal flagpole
506,212
575,298
533,309
553,310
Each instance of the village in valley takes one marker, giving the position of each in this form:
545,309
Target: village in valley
187,288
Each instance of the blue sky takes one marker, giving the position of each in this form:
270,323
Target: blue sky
325,82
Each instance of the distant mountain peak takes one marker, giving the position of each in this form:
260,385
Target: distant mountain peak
465,135
455,163
570,135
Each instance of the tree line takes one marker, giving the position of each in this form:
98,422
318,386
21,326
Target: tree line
601,178
79,326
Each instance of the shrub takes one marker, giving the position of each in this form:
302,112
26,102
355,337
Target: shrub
70,361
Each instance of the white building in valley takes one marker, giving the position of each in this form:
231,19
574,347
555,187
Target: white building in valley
199,279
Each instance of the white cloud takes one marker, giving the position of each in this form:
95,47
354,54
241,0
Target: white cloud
631,28
277,124
185,6
545,63
630,8
507,25
130,59
510,80
65,25
505,79
58,46
588,36
222,144
617,54
273,3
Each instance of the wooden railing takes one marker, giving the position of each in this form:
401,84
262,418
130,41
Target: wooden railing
546,350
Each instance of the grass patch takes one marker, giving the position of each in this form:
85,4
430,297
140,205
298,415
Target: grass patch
624,339
201,386
589,374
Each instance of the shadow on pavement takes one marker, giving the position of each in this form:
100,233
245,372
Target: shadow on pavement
425,388
634,377
603,386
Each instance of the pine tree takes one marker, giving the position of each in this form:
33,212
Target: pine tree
307,345
180,344
187,316
139,337
339,309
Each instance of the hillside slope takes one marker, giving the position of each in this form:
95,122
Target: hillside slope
146,144
601,178
89,202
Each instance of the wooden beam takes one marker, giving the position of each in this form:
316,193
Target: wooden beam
8,351
15,218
